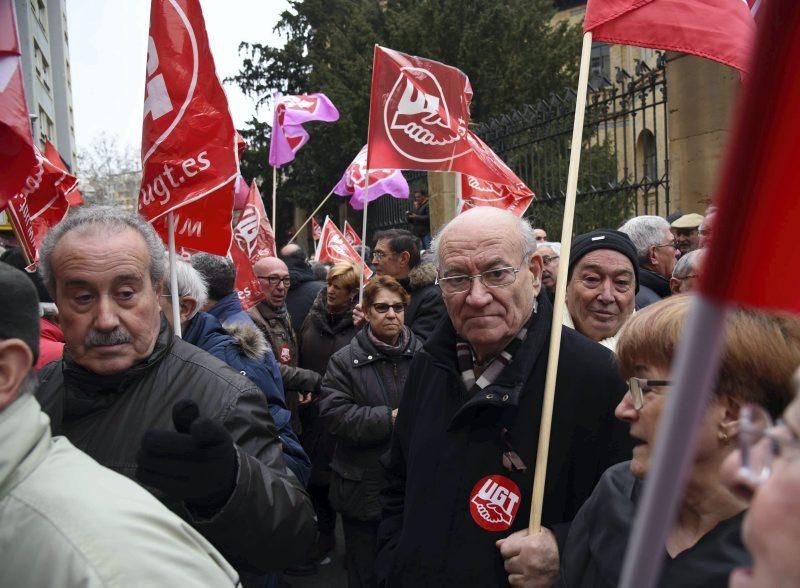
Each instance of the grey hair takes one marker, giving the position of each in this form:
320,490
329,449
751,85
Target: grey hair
111,220
524,227
686,263
645,231
191,283
554,245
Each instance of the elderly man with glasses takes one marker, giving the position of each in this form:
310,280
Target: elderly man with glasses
657,250
463,452
272,317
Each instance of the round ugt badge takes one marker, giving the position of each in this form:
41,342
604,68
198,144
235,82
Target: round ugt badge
494,502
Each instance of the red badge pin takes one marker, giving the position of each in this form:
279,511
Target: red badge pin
494,502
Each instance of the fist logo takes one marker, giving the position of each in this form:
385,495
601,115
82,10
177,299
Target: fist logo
417,119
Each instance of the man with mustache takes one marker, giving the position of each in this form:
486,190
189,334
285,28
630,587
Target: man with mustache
601,284
156,409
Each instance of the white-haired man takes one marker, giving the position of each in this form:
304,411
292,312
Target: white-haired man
463,449
657,251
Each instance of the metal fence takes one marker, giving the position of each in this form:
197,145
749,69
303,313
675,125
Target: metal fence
624,162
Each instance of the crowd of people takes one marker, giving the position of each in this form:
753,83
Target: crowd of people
411,413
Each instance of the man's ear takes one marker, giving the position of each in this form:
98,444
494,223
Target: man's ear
405,257
188,307
674,285
536,267
16,360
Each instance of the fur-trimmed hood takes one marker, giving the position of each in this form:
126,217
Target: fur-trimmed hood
421,275
250,340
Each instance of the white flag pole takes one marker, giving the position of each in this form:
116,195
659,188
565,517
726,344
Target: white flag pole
537,497
173,277
363,239
308,220
274,200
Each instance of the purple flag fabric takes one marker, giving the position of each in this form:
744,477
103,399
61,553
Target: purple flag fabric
291,112
381,181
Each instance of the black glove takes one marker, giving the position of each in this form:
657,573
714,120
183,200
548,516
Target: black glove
196,464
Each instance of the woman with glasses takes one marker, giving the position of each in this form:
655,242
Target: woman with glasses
704,546
361,391
765,472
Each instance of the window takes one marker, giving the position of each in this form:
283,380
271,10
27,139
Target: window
600,65
39,10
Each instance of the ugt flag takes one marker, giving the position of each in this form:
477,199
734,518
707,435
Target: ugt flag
188,139
476,192
316,230
19,168
247,287
354,182
419,118
291,112
351,235
334,247
253,233
722,30
70,182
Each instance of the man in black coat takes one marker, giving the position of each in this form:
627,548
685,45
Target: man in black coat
463,453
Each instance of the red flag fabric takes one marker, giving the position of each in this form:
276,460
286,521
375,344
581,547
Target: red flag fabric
476,192
351,235
334,247
188,139
316,230
202,225
419,118
17,157
68,182
722,30
247,286
33,215
757,196
253,233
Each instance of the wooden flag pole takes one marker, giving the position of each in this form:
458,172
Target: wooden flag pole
274,200
308,220
173,278
537,498
363,239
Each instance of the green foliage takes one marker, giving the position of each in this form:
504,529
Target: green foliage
508,48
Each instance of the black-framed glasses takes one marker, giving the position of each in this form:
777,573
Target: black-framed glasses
493,278
638,387
275,280
383,308
761,441
547,259
379,255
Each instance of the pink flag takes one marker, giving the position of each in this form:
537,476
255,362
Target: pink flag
291,112
381,181
351,235
334,247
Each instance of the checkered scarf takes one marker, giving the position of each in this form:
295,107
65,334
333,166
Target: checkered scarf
466,362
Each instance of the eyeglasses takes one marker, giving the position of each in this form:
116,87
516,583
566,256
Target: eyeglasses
383,308
379,255
638,387
493,278
761,441
547,259
275,280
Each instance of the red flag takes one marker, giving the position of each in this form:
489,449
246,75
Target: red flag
350,235
17,157
477,192
722,30
316,230
419,118
253,233
188,139
68,182
757,196
33,215
202,225
247,287
334,247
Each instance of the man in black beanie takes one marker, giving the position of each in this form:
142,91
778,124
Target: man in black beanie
601,284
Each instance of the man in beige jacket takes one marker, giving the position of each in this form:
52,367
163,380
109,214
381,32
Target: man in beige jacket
66,520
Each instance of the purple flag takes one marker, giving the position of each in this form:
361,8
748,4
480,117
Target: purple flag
381,181
288,134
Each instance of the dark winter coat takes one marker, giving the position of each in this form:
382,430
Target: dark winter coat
302,293
229,311
245,350
599,534
268,522
445,443
652,288
426,307
359,392
421,225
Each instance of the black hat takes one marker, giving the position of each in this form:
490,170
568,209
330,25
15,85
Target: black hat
16,258
604,239
20,316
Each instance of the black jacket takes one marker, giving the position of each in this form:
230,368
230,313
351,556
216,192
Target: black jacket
268,521
302,293
652,288
421,225
426,307
359,392
598,539
445,443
